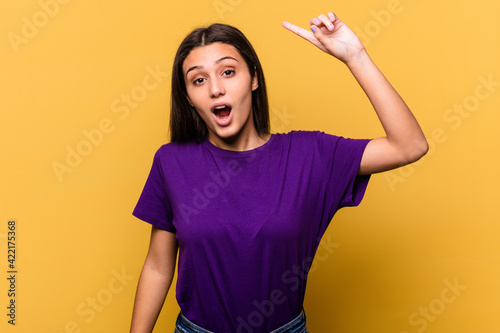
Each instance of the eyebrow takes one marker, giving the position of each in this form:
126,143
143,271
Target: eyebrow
217,62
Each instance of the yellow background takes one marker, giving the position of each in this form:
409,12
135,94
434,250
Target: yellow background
418,228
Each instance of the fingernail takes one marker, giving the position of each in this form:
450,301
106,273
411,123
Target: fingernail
313,29
317,21
330,26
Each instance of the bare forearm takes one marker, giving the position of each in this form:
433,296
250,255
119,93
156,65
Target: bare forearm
152,289
402,129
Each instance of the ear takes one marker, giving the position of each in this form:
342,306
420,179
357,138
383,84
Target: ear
255,81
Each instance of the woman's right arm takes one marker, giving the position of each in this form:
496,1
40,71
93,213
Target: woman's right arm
155,280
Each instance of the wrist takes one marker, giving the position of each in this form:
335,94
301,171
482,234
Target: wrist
357,59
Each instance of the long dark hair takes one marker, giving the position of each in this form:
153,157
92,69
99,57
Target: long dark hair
185,123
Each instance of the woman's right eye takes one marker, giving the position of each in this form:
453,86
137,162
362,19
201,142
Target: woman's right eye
198,81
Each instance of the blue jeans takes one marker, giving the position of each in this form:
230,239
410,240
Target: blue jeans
298,325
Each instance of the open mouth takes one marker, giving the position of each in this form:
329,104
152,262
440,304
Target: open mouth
222,111
222,114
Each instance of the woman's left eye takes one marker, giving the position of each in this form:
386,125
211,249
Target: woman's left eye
229,72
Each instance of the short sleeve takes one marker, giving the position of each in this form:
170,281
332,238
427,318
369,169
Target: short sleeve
153,205
342,158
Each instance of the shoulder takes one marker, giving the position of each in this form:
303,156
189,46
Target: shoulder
324,142
308,134
307,143
301,134
176,152
309,137
176,148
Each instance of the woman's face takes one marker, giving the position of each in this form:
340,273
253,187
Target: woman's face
219,86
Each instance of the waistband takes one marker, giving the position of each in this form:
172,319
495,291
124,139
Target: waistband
297,325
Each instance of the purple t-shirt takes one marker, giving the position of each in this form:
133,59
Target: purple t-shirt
248,223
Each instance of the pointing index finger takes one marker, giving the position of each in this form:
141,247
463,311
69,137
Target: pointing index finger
306,34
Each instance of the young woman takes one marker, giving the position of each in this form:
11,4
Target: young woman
246,209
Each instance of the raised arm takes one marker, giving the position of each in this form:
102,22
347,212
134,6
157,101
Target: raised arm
404,142
155,280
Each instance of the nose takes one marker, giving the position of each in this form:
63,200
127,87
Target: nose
216,87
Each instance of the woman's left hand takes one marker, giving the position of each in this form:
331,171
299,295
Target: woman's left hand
330,35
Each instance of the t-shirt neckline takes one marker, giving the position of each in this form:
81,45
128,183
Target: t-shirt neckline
229,152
